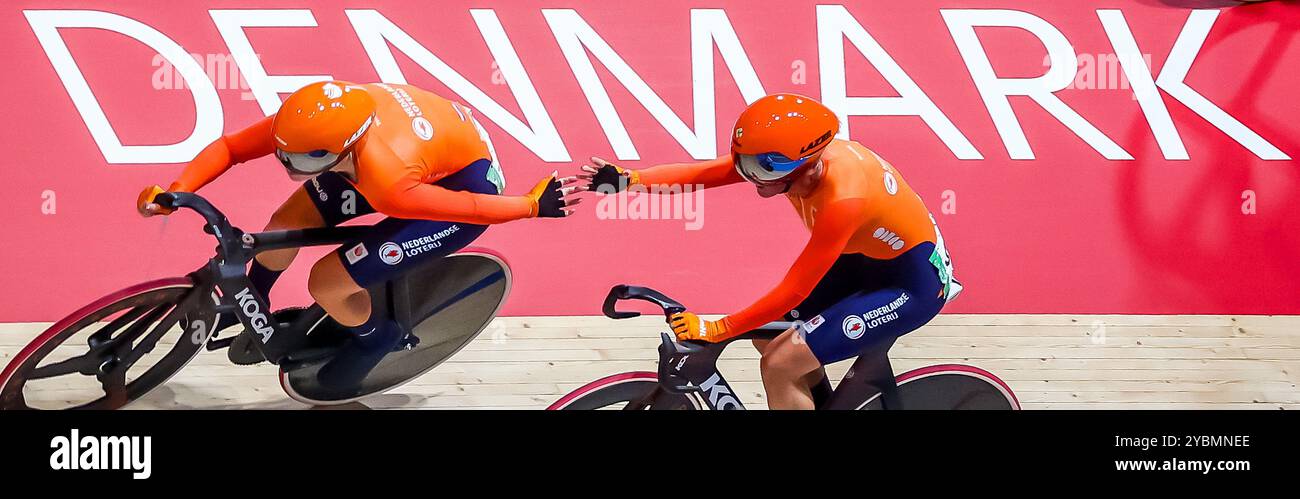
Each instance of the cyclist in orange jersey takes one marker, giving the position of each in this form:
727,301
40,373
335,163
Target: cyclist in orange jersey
874,268
394,149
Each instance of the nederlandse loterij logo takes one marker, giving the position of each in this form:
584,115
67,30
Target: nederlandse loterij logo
390,253
853,327
76,452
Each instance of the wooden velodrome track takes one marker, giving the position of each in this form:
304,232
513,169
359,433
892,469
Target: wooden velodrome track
1051,361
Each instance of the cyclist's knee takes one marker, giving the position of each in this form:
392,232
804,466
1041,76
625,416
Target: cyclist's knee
329,281
787,359
297,212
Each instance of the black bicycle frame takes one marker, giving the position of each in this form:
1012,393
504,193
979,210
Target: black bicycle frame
687,367
225,277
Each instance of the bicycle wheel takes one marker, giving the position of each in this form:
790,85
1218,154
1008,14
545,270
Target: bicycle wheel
951,387
449,302
618,390
102,356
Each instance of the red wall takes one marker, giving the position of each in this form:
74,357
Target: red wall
1066,232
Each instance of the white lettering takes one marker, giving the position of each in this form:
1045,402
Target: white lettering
376,32
995,91
208,121
834,24
265,88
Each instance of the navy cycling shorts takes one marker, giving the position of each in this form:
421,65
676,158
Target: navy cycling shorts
864,303
395,246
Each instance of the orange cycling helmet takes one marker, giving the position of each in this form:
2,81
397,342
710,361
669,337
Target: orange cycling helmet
780,134
318,124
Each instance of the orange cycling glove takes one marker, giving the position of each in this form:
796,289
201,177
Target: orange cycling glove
145,204
688,326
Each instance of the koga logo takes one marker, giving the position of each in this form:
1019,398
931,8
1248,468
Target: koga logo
253,311
819,141
720,396
76,452
853,327
889,237
422,128
390,253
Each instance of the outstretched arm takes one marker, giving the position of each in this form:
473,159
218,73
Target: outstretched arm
227,151
603,176
410,198
398,189
711,173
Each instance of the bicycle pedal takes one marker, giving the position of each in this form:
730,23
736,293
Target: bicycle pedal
244,351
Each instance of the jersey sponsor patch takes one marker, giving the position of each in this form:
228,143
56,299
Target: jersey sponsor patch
422,128
813,323
889,237
891,184
854,327
390,253
357,253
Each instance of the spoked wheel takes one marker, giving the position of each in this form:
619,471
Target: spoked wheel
109,353
951,387
627,391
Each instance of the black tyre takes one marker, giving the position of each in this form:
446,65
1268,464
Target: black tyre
628,391
951,387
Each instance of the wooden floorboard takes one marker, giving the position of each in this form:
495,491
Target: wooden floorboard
1050,361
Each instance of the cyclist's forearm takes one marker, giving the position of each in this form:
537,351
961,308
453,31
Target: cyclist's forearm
797,284
428,202
211,162
769,308
229,150
829,237
711,173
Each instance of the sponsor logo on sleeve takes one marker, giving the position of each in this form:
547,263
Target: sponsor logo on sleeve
357,253
422,128
813,323
889,237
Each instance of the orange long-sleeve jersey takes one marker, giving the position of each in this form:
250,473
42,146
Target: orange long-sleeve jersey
861,205
417,139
